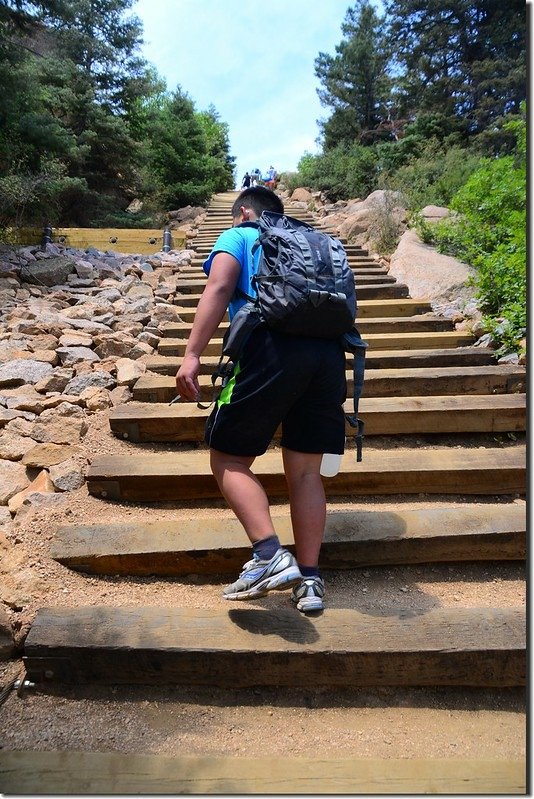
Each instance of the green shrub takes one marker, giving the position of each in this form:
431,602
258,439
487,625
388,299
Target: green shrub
490,234
342,173
434,175
291,180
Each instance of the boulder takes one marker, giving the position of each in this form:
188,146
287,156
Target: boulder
427,273
13,478
41,484
434,213
188,213
7,641
72,355
76,340
22,371
68,475
301,195
135,207
96,379
44,455
59,430
18,583
128,371
56,381
14,446
96,399
49,271
113,344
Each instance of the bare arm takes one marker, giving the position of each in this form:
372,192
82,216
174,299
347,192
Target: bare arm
222,280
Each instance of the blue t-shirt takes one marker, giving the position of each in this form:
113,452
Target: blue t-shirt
238,241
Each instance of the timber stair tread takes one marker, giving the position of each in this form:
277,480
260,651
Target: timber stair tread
373,291
376,359
111,773
383,341
440,470
208,545
188,283
366,308
441,380
387,324
144,422
239,647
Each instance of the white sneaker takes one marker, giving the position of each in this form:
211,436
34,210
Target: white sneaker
260,576
309,594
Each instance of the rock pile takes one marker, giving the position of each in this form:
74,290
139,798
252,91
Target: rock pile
76,329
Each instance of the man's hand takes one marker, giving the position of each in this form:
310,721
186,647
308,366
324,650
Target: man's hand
187,378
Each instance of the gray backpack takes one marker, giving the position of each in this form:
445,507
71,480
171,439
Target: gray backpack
304,284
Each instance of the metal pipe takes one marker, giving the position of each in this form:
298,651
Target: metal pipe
47,236
167,240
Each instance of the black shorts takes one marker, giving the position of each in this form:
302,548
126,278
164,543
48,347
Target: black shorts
294,381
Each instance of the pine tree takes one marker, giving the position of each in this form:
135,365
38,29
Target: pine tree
355,81
463,58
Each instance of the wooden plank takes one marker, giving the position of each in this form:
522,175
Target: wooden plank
359,268
243,647
353,539
135,240
144,422
190,284
374,359
401,324
369,292
442,381
366,309
144,241
442,470
110,773
376,341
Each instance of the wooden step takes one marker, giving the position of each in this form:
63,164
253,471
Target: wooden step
359,269
376,341
188,284
368,292
367,309
501,413
441,470
111,773
504,413
353,539
404,382
389,324
241,647
375,359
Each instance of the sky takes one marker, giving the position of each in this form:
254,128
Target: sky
254,62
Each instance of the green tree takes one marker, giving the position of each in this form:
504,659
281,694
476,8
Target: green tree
342,172
465,59
221,165
177,158
355,81
69,100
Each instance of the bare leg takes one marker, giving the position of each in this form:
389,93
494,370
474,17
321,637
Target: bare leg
243,492
307,502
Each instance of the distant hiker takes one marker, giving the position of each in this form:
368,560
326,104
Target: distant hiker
256,176
247,180
270,179
294,381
